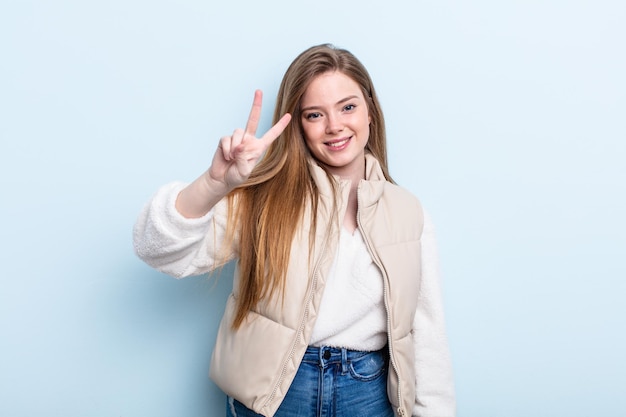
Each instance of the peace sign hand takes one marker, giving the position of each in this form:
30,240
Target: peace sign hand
239,153
232,164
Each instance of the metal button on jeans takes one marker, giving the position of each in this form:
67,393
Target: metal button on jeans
333,382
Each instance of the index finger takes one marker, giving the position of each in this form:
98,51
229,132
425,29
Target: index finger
277,129
255,113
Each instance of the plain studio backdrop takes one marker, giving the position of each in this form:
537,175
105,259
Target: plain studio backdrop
507,118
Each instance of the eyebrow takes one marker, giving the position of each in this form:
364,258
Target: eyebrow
343,100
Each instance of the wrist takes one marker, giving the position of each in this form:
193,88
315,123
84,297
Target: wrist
200,196
214,187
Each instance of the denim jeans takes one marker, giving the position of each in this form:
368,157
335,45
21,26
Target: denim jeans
333,382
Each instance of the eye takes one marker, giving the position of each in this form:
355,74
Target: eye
311,116
349,107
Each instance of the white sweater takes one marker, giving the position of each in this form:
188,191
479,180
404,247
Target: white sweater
354,284
352,312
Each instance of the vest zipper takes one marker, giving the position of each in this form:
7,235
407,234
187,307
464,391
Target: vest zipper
374,256
300,328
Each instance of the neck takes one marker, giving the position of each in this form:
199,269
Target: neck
354,173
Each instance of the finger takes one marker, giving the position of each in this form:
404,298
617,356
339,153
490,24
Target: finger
255,113
224,147
275,131
235,140
229,143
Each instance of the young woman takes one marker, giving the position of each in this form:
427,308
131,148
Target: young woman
336,306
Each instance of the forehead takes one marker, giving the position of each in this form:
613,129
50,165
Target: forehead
329,88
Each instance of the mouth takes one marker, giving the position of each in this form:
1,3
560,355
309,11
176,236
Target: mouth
338,143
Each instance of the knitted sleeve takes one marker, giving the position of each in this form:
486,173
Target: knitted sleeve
175,245
434,383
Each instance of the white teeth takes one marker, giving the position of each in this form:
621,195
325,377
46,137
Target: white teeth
338,144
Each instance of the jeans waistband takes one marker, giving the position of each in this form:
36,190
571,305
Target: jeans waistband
325,355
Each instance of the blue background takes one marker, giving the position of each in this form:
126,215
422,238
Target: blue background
507,118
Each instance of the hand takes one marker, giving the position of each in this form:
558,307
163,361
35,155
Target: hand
239,153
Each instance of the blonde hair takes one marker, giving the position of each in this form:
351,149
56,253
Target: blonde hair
258,214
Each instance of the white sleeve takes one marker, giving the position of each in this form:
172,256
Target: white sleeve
175,245
434,382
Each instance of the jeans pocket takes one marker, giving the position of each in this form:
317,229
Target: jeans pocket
368,367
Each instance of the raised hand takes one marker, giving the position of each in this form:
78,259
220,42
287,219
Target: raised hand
239,153
232,163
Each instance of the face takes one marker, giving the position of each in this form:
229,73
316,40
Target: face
335,120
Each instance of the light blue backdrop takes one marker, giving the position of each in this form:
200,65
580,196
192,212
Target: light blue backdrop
507,118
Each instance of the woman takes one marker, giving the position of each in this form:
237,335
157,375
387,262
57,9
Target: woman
336,304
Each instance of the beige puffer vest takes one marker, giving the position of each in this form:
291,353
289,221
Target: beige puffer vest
257,363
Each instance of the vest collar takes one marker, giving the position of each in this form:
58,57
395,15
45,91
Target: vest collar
370,189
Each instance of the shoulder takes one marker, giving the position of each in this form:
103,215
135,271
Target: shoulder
400,196
396,213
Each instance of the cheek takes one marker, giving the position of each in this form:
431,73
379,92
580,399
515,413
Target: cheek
311,133
306,133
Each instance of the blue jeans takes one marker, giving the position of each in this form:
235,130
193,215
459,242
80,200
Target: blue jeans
333,382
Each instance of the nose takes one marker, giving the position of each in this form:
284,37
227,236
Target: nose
333,124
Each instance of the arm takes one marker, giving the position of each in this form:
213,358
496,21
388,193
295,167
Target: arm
180,231
174,244
232,164
434,382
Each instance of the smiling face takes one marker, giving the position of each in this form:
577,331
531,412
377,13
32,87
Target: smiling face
335,121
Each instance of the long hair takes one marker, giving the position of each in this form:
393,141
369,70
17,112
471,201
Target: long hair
267,209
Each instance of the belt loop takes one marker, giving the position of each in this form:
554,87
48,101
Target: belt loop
344,360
